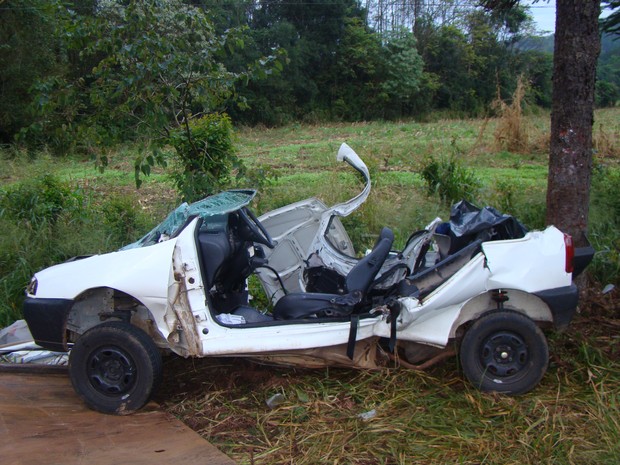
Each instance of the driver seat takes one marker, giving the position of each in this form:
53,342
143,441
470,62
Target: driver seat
358,281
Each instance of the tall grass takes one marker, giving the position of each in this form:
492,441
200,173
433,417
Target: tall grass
46,221
604,230
511,132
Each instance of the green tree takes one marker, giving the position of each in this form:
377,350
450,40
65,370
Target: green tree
608,73
312,33
156,66
206,155
28,29
403,74
356,74
447,57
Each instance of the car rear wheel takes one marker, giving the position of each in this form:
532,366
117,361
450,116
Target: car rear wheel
504,351
115,367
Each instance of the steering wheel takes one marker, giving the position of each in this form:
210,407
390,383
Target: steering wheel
259,233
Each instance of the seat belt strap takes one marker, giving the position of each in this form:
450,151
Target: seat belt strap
394,312
352,336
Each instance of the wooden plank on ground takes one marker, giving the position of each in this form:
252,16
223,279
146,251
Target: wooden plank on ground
42,421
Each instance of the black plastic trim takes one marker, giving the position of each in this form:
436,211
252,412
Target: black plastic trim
582,258
563,303
47,321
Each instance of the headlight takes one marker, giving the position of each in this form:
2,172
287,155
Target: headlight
32,287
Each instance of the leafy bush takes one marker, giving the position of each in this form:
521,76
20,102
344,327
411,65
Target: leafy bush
208,161
40,201
206,155
450,180
122,220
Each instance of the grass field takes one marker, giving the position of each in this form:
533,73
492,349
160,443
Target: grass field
430,417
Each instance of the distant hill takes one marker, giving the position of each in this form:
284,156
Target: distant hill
545,43
537,43
610,43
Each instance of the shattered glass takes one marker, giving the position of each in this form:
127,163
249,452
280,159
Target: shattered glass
218,204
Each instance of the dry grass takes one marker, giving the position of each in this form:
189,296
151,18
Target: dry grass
422,418
606,141
511,132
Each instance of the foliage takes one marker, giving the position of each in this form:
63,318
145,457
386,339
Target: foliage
608,73
511,196
448,178
604,228
151,67
151,63
403,73
537,67
46,221
469,62
40,201
115,70
122,220
206,156
354,92
28,29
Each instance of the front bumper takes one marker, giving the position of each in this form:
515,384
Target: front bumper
47,321
562,302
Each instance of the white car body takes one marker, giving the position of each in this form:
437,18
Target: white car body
161,289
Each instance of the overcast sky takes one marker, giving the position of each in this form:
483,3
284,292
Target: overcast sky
544,14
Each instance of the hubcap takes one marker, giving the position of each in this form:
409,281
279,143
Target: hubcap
504,354
111,371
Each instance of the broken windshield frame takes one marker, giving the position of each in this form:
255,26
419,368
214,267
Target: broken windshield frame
215,205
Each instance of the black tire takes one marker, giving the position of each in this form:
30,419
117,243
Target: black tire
115,367
504,351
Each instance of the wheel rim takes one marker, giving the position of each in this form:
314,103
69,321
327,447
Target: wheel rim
504,354
111,371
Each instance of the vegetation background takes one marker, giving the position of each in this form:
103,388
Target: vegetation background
442,99
431,417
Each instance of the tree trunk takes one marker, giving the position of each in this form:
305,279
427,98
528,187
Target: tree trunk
577,46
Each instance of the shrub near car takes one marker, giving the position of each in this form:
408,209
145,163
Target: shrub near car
479,281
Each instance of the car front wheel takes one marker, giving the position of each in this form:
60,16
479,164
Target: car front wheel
504,351
115,367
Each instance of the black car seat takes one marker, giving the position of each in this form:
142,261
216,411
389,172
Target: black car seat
358,281
215,250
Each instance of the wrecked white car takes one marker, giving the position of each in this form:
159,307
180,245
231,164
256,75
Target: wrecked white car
479,283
